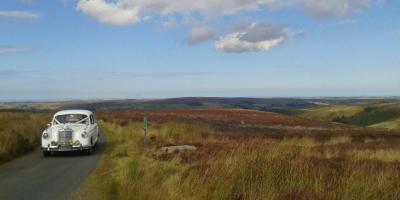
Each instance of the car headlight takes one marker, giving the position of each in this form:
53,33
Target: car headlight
45,135
84,134
77,143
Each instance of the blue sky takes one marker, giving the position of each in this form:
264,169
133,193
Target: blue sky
84,49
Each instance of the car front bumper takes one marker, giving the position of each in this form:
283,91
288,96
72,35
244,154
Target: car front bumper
65,148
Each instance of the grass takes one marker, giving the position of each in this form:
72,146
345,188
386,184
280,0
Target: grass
375,114
391,124
225,166
20,133
385,155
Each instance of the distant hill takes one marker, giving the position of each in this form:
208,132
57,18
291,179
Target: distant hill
378,115
325,108
196,102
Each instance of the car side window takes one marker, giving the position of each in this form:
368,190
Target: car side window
91,119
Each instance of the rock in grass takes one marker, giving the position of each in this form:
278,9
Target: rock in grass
172,149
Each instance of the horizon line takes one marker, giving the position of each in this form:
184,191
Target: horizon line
60,100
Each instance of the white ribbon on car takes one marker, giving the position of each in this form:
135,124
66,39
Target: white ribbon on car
55,119
82,120
78,122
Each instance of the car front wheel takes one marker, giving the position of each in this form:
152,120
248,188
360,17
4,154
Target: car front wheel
88,151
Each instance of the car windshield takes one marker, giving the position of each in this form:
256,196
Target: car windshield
71,118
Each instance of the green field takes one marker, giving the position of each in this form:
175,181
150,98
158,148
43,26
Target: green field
328,113
378,115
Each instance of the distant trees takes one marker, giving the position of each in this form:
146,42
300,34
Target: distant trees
340,119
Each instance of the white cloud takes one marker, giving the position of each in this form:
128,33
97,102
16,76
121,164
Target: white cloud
329,8
200,34
4,50
170,22
18,14
256,37
127,12
116,13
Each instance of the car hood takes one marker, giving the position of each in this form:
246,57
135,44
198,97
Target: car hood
73,127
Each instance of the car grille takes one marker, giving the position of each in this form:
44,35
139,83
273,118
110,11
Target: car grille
64,137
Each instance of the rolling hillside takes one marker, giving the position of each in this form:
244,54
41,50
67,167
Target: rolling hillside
328,113
378,115
289,106
392,124
173,103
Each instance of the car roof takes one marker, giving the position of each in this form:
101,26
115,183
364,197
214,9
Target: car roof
81,112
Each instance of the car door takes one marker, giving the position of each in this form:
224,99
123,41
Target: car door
91,130
94,129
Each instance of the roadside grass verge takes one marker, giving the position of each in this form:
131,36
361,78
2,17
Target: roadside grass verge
20,133
241,167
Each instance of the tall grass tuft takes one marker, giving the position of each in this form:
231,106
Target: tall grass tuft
20,132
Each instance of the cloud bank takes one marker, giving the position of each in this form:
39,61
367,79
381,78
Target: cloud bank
125,12
18,14
258,37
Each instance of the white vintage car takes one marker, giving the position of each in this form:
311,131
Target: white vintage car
70,130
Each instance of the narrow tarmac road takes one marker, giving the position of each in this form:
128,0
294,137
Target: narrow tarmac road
36,177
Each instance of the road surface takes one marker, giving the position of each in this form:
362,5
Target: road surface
36,177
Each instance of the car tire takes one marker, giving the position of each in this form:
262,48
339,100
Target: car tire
46,153
95,145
